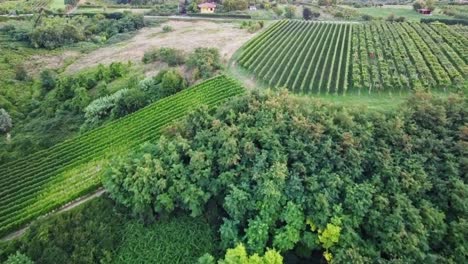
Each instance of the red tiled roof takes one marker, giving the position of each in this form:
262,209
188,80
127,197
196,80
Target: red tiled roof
208,5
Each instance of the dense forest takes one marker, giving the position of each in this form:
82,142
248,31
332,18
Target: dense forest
302,177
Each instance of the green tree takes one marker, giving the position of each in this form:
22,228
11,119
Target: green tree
307,13
19,258
232,5
290,11
5,121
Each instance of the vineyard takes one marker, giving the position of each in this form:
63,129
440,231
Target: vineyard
306,57
46,180
397,57
22,6
333,58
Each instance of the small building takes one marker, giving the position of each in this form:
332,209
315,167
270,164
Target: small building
207,8
252,8
425,11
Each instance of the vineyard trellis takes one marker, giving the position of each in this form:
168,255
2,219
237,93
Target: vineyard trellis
336,58
46,180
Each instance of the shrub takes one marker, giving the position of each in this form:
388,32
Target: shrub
232,5
48,79
133,100
167,29
5,121
366,17
400,19
238,255
18,258
307,13
278,11
290,11
204,62
86,234
101,108
171,56
390,18
20,73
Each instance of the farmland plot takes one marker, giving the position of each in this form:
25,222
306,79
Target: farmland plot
333,58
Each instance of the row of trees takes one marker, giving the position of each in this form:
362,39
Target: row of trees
54,32
305,177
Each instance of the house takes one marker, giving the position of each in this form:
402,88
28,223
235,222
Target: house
252,8
425,11
207,8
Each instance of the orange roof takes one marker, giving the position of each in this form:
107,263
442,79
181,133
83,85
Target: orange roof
208,5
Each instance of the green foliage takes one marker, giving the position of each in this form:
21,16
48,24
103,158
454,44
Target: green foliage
290,11
238,255
276,166
180,239
252,26
167,29
40,182
171,56
54,32
18,258
307,13
5,121
48,79
233,5
101,108
86,234
20,73
204,62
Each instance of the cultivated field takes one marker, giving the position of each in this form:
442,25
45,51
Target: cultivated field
303,56
332,58
43,181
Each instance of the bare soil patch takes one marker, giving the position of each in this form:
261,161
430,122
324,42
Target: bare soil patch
35,64
187,36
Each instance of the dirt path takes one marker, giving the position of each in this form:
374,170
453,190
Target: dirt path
187,36
64,208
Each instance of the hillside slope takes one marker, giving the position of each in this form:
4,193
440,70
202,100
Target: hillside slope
48,179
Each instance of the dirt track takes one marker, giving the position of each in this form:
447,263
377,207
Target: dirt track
187,35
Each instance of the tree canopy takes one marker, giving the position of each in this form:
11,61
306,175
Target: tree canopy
305,177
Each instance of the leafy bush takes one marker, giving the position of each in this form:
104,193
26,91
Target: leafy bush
204,62
238,255
20,73
18,258
54,32
86,234
167,29
367,17
101,108
5,121
180,239
232,5
171,56
290,11
291,175
48,79
252,26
